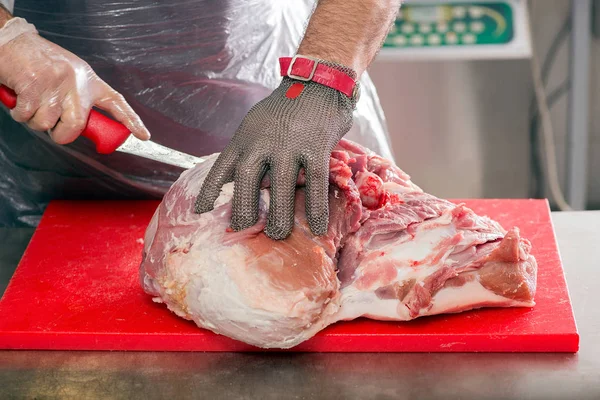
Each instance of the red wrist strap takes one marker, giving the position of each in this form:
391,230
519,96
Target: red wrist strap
307,69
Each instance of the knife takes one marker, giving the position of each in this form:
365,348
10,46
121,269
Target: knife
109,136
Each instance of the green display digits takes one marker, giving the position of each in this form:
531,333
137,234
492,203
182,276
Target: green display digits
454,24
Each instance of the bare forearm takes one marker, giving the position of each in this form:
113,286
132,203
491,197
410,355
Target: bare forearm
4,15
349,32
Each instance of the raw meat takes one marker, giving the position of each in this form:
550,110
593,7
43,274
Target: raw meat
392,252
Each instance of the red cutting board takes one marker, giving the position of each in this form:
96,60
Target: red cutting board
77,288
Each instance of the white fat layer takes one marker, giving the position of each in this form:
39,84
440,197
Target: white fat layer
357,303
216,296
427,237
393,187
422,245
215,301
471,293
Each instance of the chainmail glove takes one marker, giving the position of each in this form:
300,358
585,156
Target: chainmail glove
278,136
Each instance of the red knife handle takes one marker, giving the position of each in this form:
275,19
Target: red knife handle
106,133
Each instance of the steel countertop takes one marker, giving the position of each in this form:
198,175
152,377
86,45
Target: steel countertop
107,375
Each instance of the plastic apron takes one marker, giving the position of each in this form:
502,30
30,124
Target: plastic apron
191,69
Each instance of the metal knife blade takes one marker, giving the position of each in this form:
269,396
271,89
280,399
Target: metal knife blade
109,136
157,152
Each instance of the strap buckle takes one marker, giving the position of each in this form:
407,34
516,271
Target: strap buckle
298,77
356,92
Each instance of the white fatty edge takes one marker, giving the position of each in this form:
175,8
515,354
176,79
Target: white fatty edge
358,303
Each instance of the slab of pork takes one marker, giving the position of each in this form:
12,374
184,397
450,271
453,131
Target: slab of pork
392,252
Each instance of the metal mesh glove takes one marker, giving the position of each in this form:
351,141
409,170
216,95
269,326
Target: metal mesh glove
279,136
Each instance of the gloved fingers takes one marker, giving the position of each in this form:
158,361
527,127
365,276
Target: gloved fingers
73,121
117,106
46,117
27,106
284,175
317,195
221,173
248,174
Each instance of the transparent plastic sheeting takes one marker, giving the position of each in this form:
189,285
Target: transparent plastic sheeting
190,68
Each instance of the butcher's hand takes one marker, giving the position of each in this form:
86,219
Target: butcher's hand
281,134
56,89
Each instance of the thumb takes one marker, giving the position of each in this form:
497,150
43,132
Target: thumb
25,108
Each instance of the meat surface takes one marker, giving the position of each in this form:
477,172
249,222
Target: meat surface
392,252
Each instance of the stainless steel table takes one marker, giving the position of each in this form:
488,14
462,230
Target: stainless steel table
85,375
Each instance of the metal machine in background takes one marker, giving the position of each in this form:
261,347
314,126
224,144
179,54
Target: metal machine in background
455,81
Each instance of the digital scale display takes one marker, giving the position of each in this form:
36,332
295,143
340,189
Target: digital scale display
425,14
452,24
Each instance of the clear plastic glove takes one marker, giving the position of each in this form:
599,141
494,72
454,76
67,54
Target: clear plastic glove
56,89
281,135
